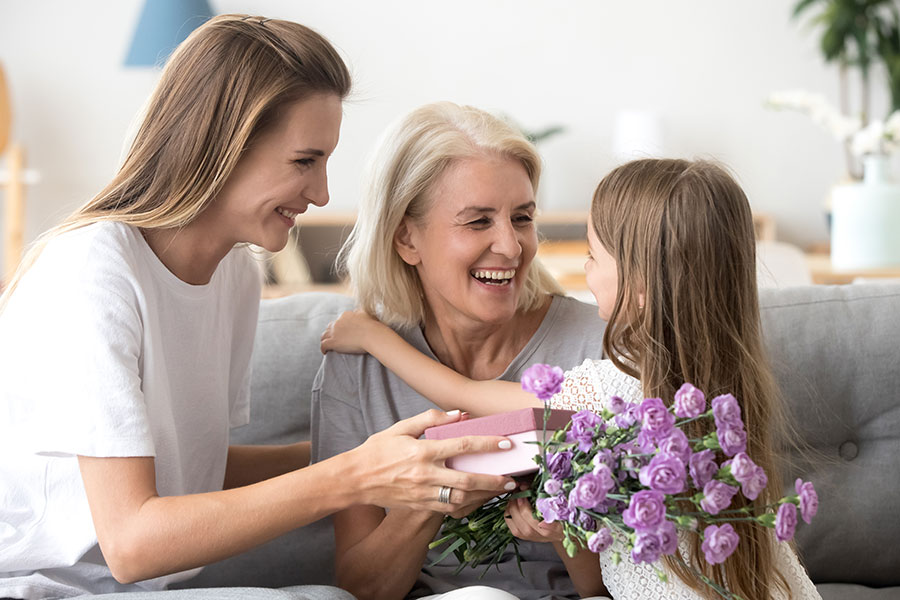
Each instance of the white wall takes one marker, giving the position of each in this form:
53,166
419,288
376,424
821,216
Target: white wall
705,66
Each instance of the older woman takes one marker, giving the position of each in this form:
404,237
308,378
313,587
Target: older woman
443,251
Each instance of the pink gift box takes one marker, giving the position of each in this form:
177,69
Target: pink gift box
520,426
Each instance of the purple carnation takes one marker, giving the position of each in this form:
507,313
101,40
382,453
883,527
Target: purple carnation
584,429
646,511
731,439
552,487
600,541
647,547
560,464
629,464
785,521
809,499
676,443
689,402
727,411
585,521
703,467
604,457
627,417
554,508
655,418
542,380
646,442
615,405
719,543
665,473
717,496
591,488
754,486
742,467
668,537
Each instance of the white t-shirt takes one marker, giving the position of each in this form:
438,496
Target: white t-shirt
105,352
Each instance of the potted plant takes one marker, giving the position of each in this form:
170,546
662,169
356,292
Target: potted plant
859,35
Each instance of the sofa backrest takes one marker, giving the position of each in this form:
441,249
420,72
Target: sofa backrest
286,358
836,358
836,354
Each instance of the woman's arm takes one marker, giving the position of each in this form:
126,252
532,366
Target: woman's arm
583,568
377,555
252,464
143,535
356,332
370,543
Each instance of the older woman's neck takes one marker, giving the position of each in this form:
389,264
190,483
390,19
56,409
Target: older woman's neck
476,349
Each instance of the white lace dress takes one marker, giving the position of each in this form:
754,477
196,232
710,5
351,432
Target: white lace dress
588,386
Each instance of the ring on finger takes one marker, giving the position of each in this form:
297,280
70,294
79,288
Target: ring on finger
444,494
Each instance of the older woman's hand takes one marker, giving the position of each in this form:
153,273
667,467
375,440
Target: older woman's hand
396,469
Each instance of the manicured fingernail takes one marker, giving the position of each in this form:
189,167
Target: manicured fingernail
510,486
453,413
505,445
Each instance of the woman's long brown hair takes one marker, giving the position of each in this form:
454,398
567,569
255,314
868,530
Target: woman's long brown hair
220,89
687,310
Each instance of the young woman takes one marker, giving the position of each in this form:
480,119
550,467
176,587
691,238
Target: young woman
125,341
672,268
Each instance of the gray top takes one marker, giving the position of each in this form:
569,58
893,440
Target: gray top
354,396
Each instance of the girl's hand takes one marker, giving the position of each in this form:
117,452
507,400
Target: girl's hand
522,524
350,333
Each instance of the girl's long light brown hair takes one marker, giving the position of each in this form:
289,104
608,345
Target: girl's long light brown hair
681,233
227,82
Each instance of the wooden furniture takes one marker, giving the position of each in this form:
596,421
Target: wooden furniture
14,214
824,273
13,179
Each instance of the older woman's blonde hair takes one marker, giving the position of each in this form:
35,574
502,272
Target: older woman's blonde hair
410,158
223,86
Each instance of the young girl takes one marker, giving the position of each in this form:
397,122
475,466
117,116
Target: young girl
125,342
672,268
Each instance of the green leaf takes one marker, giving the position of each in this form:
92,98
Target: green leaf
448,551
766,520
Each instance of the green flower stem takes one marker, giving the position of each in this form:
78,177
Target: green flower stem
729,519
705,415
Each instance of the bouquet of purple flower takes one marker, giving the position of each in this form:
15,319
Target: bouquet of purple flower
627,474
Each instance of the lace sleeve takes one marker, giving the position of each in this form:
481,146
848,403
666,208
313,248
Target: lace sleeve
590,384
802,587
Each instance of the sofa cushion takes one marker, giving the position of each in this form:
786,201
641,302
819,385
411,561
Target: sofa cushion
847,591
836,357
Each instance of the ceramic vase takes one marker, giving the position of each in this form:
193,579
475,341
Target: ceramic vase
865,220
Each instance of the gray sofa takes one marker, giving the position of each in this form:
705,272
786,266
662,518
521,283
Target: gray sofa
837,359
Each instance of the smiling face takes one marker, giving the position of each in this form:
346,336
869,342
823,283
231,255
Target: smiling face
473,248
601,274
280,174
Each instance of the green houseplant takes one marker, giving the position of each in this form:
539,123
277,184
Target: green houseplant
858,35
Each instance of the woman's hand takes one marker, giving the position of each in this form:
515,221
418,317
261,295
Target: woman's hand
351,333
396,469
522,524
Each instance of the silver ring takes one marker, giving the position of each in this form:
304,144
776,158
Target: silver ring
444,494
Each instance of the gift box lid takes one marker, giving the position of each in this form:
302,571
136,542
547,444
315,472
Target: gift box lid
507,423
